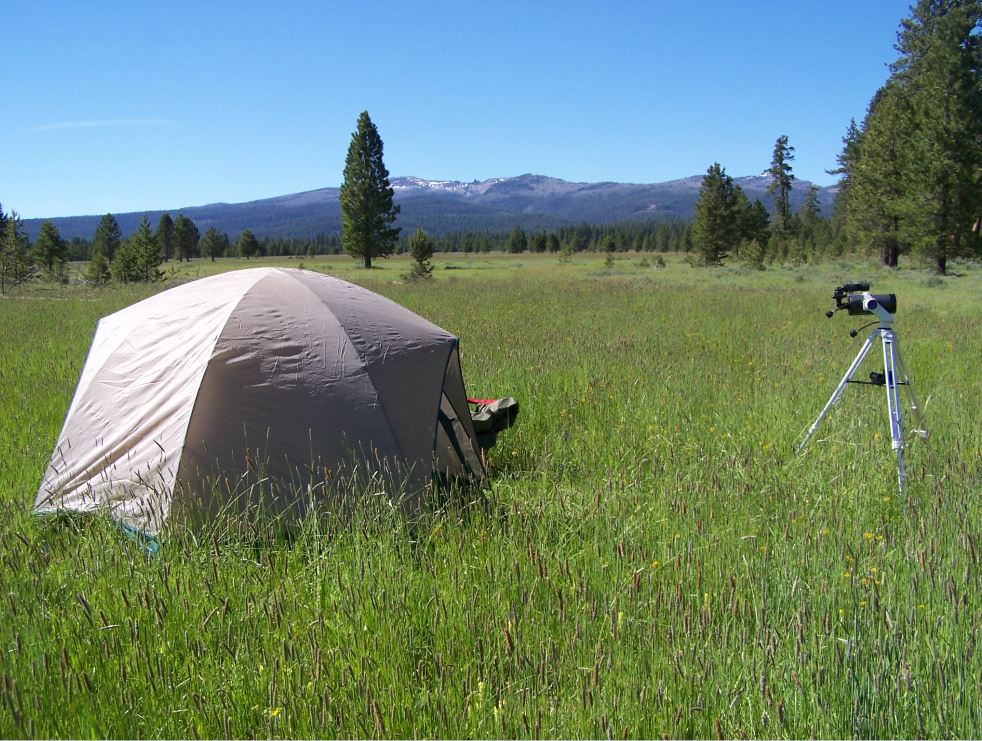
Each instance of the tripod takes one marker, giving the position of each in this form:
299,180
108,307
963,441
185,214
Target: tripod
894,376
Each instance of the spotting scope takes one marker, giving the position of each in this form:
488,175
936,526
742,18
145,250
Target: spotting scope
856,299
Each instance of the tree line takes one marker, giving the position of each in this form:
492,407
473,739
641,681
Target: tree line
137,258
910,173
726,224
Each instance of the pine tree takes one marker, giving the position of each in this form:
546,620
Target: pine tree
367,213
880,215
107,237
16,252
97,270
810,222
165,236
126,267
139,258
248,244
781,183
754,222
754,231
811,210
517,241
50,250
6,254
186,238
846,161
940,72
150,252
421,251
715,224
214,243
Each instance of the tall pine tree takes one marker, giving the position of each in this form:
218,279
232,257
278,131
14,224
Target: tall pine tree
880,212
715,226
911,172
846,161
367,213
782,180
107,237
6,253
940,72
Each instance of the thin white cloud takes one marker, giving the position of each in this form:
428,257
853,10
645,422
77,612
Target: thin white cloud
105,123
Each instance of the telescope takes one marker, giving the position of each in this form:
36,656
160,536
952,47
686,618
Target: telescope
856,299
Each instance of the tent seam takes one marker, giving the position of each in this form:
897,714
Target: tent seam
197,390
385,414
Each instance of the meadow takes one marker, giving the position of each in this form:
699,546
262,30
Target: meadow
650,559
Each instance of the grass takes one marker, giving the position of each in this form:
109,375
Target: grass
651,558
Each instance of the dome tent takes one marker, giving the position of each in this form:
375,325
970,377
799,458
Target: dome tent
280,377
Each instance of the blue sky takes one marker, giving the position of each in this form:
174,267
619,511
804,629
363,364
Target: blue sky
129,106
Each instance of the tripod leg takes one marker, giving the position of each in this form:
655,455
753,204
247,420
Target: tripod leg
915,405
890,370
838,389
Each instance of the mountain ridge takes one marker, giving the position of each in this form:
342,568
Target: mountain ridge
496,204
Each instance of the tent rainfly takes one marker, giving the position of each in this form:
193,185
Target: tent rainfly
278,376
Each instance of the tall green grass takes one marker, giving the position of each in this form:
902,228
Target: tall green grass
650,559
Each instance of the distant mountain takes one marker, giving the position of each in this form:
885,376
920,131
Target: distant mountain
530,201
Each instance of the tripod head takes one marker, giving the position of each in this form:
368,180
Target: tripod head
856,299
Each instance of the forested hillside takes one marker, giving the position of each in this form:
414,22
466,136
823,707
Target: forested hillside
531,202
